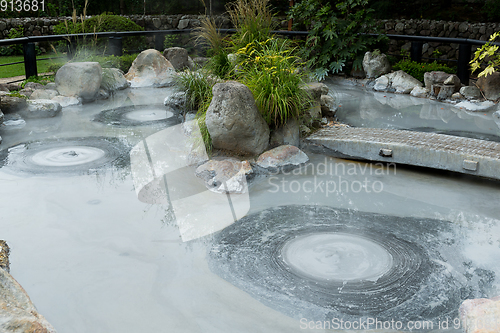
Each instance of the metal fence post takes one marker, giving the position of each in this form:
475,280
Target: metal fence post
29,59
464,52
159,38
115,46
416,51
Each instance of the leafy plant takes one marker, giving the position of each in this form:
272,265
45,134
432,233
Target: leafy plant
270,70
38,79
487,54
417,69
336,33
198,87
253,20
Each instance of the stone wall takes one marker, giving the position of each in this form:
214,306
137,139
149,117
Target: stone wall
481,31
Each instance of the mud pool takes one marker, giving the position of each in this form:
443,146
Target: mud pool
376,241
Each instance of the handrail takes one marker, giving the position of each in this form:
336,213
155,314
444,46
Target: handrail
115,38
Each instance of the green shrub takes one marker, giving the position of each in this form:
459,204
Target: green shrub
417,69
198,87
271,72
15,49
335,34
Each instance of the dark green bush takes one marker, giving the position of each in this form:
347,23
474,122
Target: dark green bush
417,69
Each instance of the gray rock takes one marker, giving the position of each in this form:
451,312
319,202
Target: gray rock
102,94
200,61
227,175
289,134
404,83
26,92
41,108
421,92
11,104
113,79
457,96
315,90
441,91
17,312
4,255
183,24
44,94
328,106
9,87
490,86
81,79
382,83
375,65
33,85
178,57
177,99
282,157
65,101
480,315
470,92
438,77
233,120
151,69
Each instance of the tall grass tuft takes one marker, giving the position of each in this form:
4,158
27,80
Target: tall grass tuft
198,87
252,18
271,72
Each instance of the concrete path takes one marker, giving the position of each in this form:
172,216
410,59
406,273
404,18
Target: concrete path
440,151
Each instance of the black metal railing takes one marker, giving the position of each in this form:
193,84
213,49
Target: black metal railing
115,45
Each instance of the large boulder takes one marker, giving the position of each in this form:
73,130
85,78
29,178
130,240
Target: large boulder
113,79
375,64
179,58
41,108
328,106
151,69
17,312
470,92
233,120
490,86
80,79
399,81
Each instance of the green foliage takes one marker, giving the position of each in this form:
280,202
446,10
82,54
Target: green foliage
417,69
198,87
492,10
335,33
38,79
16,94
15,49
253,20
271,72
487,55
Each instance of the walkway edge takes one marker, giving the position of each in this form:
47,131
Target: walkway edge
439,151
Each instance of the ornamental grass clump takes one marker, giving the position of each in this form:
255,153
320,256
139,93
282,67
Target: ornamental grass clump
271,72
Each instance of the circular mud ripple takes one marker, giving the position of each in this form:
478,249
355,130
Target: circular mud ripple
321,263
68,155
138,115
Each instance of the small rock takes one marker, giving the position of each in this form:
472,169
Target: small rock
304,129
453,80
282,157
439,77
178,57
480,315
113,79
328,106
457,96
102,94
225,176
177,99
470,92
441,91
382,83
421,92
33,85
66,101
316,89
200,61
4,255
404,83
41,108
26,92
44,94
